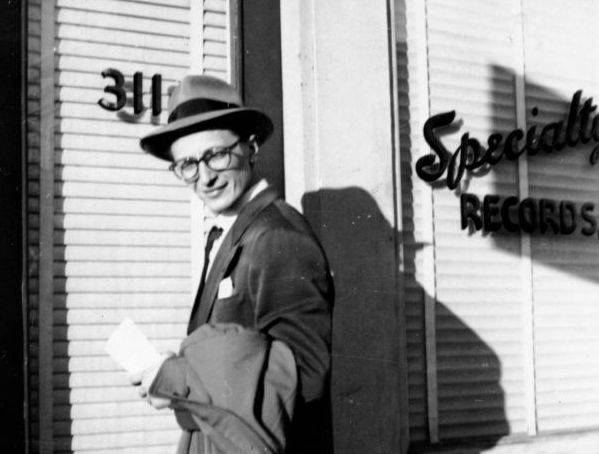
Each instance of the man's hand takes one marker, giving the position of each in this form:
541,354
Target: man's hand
144,379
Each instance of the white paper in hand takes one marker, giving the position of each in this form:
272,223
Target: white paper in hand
131,349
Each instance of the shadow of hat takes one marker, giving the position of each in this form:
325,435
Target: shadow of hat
199,103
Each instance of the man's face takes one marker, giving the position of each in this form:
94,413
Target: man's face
218,189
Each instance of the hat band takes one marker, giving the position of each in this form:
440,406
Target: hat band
197,106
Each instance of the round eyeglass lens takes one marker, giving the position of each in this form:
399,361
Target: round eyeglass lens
188,170
219,160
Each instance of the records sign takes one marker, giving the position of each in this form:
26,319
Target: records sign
493,212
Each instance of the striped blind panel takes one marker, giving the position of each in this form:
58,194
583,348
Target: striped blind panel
479,311
215,39
121,224
33,219
412,92
560,47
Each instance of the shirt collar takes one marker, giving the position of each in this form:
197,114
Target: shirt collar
226,220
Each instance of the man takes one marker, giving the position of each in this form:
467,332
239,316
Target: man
264,271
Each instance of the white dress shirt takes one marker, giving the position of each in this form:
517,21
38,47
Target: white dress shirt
226,221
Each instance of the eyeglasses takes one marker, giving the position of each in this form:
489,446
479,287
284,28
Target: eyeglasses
215,158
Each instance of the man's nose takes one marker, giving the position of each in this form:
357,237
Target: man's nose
206,175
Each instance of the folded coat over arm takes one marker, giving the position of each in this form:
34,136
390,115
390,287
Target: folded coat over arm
233,385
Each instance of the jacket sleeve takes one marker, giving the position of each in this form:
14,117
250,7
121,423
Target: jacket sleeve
292,291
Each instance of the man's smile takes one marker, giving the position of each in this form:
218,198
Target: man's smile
215,191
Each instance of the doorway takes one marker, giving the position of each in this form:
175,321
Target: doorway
256,72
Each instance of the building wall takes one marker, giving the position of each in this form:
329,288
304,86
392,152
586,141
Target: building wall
441,335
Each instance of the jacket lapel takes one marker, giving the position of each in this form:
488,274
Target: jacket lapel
227,253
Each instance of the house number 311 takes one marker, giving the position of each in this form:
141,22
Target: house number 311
119,90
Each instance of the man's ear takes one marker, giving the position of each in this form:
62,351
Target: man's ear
253,144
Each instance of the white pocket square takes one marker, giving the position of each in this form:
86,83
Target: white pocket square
225,288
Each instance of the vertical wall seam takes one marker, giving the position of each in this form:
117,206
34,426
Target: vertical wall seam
46,276
235,44
317,181
298,98
527,296
404,411
430,286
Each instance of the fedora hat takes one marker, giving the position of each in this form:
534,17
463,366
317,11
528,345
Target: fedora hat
199,103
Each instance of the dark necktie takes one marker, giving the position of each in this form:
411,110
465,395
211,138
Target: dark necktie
213,235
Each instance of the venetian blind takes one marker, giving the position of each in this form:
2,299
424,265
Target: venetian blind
478,289
121,221
216,39
560,49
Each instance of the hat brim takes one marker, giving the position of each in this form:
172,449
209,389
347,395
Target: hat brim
243,120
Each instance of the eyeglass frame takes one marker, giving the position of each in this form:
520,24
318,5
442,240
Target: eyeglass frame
207,154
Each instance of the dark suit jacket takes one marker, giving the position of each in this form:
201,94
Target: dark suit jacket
282,288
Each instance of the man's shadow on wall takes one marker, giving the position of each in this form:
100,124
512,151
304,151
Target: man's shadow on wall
361,246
